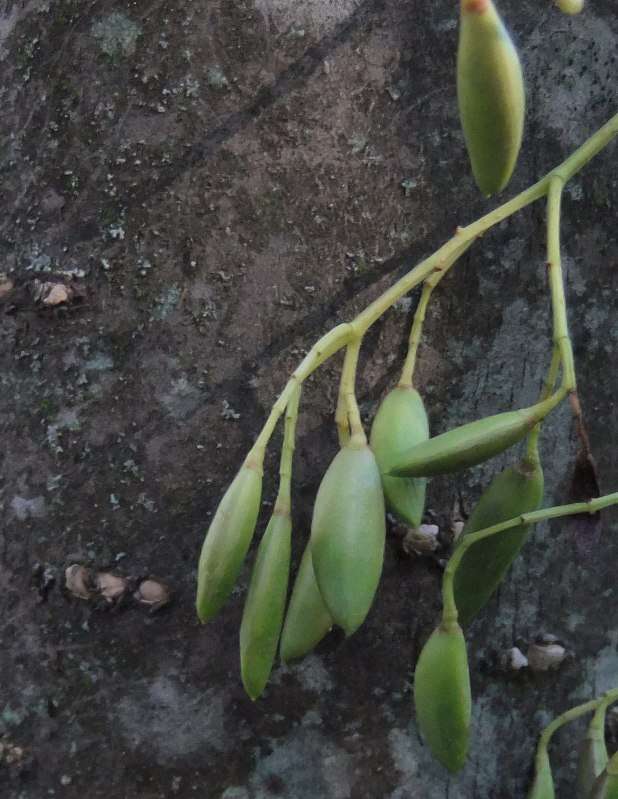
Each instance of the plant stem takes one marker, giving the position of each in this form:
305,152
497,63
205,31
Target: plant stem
347,392
346,384
588,150
574,713
596,728
440,261
550,382
593,506
449,606
328,345
341,415
556,283
429,285
287,450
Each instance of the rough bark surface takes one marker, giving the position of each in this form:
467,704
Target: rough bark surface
220,182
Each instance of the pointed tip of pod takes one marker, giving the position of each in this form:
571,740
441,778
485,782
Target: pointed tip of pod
475,6
253,689
202,616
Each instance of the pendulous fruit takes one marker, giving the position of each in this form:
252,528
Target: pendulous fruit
347,535
490,90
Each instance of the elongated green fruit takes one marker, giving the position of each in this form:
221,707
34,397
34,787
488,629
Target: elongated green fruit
464,446
543,785
347,535
516,490
593,756
442,695
490,89
307,620
263,615
606,784
400,423
227,540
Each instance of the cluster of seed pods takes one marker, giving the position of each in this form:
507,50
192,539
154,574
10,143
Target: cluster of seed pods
341,567
342,563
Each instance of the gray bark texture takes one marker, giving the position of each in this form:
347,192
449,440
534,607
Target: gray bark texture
220,182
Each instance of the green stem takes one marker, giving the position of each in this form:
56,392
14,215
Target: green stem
347,393
565,718
550,382
341,414
596,729
429,285
593,506
556,283
552,373
287,451
574,713
544,406
449,606
338,337
577,160
328,345
407,370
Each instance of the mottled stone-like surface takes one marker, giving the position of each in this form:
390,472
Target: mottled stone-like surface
222,182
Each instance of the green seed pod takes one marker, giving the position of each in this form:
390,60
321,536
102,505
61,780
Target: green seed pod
227,540
570,6
442,695
593,756
516,490
400,423
263,615
543,785
464,446
606,784
490,89
307,620
347,535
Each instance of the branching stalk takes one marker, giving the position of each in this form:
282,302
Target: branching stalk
441,260
592,506
574,713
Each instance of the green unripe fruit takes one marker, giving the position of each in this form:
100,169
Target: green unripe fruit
516,490
347,535
400,423
442,695
263,615
464,446
593,756
227,540
570,6
606,784
543,785
490,90
307,620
